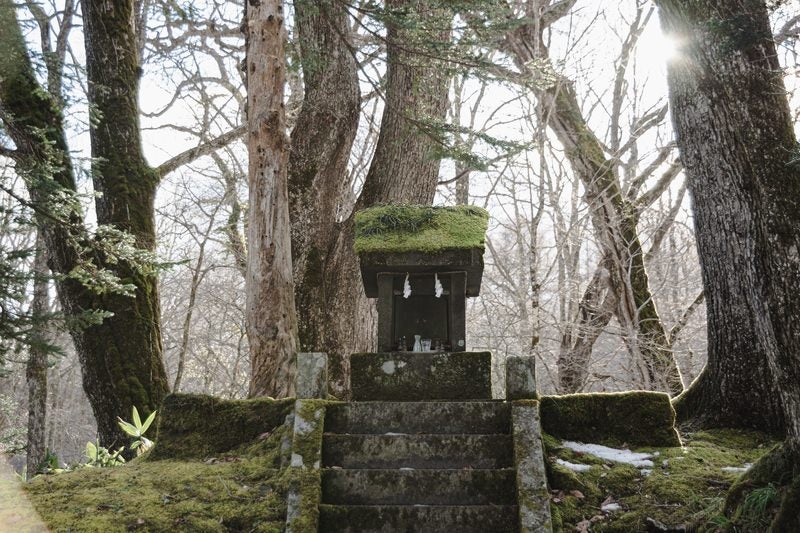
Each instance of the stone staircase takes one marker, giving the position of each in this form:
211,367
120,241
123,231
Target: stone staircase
423,448
424,466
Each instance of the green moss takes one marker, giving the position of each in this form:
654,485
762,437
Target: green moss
303,479
687,485
406,228
767,497
197,426
230,492
630,418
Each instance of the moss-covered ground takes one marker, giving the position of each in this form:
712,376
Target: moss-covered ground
242,490
405,228
686,487
194,479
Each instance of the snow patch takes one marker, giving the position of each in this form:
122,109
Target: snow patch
573,466
737,469
639,460
611,507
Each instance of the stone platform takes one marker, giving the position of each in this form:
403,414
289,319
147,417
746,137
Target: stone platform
415,376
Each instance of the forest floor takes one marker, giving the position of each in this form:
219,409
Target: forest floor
674,489
245,489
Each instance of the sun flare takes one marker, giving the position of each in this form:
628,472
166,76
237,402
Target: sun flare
655,46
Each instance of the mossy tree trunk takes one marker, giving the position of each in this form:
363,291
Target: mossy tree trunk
615,216
404,168
36,368
271,316
731,114
120,358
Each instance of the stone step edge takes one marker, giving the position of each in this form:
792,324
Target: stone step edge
408,469
418,505
393,434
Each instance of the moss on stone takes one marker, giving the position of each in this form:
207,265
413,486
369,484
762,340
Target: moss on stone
411,228
303,479
631,418
230,492
197,426
686,487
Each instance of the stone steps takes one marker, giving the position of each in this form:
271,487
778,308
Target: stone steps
417,518
439,466
418,451
418,487
467,417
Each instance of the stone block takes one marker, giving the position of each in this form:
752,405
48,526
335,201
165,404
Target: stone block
634,418
413,376
303,496
312,375
533,497
520,378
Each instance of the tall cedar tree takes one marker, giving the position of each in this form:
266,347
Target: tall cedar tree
735,133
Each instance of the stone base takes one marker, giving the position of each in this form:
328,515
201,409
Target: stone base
412,376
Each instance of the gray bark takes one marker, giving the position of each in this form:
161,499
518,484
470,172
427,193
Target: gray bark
730,111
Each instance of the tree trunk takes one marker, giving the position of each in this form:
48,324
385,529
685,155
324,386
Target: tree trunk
404,169
318,179
595,311
731,114
271,318
120,358
36,369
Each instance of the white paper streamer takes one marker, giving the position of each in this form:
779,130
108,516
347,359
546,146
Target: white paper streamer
406,288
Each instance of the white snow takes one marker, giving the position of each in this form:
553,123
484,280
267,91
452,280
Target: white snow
611,507
573,466
639,460
737,469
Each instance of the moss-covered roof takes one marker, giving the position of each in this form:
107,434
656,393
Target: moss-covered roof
414,228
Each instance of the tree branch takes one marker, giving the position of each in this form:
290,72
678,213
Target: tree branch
788,31
648,197
687,313
184,158
663,227
637,182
